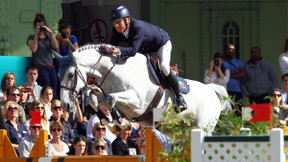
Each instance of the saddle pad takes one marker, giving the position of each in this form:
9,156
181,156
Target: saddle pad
184,87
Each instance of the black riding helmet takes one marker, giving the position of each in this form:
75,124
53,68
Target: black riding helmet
119,13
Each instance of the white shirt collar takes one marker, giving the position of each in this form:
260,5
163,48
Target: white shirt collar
126,33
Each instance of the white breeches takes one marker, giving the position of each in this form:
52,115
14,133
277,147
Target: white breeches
164,56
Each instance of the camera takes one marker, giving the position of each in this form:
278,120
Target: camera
216,61
42,29
25,90
64,35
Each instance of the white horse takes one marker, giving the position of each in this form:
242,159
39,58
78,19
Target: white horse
128,85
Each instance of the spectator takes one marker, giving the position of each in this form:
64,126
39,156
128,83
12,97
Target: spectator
98,132
284,91
260,78
136,128
99,147
216,73
281,114
237,72
13,94
283,59
57,147
38,106
94,119
57,111
15,130
26,145
79,146
65,40
88,113
75,118
23,101
8,80
41,44
122,143
46,98
31,74
142,147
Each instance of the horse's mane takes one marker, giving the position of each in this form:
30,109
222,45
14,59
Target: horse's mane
91,46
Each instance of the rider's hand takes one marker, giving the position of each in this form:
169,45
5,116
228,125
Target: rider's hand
106,50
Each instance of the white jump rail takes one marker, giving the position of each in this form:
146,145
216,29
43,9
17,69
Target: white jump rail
237,148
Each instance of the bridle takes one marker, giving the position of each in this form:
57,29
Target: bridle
78,72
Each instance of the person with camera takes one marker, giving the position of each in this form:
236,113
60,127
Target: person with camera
65,40
216,73
41,44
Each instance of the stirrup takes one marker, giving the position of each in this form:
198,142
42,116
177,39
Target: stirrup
180,104
116,115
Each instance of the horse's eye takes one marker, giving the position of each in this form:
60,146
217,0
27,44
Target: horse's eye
71,75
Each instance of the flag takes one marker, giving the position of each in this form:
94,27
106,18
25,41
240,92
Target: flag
36,117
262,113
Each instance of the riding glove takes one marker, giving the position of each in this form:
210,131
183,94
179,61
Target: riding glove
106,50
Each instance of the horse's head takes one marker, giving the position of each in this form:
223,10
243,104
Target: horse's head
72,79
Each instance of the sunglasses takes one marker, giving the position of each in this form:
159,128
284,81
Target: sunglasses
278,95
54,130
98,129
57,108
12,108
15,94
97,147
36,127
40,107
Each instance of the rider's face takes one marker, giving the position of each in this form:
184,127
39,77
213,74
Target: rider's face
119,25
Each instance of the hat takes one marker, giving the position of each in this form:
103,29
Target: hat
36,118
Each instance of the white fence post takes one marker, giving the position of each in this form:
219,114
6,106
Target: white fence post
197,138
277,145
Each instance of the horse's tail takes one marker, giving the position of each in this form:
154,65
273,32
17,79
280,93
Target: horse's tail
226,102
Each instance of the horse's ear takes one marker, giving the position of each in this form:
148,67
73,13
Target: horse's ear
57,55
70,54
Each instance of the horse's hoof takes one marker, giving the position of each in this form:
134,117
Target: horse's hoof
179,109
116,115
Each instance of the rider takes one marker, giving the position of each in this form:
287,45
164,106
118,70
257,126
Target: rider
144,38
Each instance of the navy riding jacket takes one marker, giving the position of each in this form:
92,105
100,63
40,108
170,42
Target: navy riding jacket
143,37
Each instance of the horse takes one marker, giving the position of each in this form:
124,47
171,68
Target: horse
128,85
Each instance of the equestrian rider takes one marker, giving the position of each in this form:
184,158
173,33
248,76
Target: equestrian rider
143,37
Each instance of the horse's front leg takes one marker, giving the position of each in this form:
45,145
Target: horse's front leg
124,100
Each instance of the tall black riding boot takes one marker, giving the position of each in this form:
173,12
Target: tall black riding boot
181,104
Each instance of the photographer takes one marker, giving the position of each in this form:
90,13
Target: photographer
65,40
217,74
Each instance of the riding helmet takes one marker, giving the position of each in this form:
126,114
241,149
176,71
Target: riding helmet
119,12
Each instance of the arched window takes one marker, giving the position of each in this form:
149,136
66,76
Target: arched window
231,36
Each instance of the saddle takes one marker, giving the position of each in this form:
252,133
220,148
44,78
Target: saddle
154,67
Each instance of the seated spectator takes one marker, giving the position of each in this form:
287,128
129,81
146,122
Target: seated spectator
38,106
15,130
284,91
122,143
57,147
57,111
136,127
8,80
23,101
217,73
94,119
13,94
88,113
99,147
31,74
142,147
75,118
46,98
26,145
79,146
278,110
98,132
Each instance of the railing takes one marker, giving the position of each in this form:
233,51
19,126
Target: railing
238,148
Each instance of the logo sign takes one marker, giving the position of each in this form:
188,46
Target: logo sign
98,31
